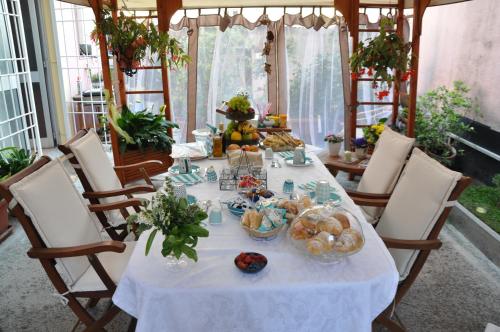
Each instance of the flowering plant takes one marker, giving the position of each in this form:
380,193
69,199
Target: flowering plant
332,138
373,132
380,57
128,40
360,143
178,221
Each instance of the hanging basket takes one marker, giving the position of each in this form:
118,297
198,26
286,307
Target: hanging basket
126,65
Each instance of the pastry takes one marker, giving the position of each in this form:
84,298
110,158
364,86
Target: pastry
315,246
252,219
330,225
343,218
233,147
305,202
310,222
327,239
348,241
299,232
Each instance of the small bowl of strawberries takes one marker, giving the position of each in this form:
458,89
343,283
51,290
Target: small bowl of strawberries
250,262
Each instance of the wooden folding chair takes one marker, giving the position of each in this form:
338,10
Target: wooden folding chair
413,218
383,170
62,230
100,181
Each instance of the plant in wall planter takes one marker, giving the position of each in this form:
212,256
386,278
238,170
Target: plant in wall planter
12,161
129,40
178,221
334,144
381,58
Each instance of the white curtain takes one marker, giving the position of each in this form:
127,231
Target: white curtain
314,77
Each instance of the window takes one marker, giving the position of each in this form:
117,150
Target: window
314,78
18,123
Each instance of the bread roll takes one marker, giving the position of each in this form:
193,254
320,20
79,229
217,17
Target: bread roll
343,218
350,240
330,225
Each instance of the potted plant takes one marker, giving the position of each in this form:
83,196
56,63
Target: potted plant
382,57
373,132
239,108
178,221
129,39
360,146
12,160
439,112
142,136
334,144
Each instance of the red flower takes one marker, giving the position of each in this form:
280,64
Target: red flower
382,94
362,71
406,76
370,71
354,76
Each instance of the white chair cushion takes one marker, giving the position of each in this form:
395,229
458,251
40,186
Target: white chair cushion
58,212
384,167
114,264
416,204
99,171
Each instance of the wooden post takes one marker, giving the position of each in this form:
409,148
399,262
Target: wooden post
353,107
165,11
106,74
119,73
397,82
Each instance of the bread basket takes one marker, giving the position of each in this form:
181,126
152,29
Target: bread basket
263,235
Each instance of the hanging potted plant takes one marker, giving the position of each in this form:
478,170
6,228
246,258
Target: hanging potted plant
12,161
129,39
334,144
141,136
381,58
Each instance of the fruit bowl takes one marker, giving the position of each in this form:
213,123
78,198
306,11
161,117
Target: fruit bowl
250,262
326,233
240,116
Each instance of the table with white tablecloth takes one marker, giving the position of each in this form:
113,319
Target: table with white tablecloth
292,293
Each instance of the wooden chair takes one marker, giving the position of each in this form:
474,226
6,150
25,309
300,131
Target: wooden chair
100,181
383,170
413,218
62,230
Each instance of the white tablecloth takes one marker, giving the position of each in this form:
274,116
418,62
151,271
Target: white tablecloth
293,293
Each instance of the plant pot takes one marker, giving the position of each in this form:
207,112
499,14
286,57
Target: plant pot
5,228
360,153
446,160
136,156
334,149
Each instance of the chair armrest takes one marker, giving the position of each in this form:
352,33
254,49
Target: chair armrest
412,244
119,192
116,205
142,164
365,201
354,193
82,250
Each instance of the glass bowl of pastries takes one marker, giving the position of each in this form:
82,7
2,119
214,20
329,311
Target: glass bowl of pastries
326,233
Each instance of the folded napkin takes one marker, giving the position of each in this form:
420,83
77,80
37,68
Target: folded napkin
188,179
286,154
192,150
311,186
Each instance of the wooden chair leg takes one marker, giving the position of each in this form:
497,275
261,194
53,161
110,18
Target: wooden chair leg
105,319
92,302
390,324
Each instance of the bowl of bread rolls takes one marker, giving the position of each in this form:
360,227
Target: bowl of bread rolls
326,233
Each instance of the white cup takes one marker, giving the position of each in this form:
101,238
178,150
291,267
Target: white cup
269,153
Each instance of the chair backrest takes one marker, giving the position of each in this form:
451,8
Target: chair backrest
384,168
53,212
416,204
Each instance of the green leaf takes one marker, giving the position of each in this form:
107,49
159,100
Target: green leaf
150,240
190,252
195,230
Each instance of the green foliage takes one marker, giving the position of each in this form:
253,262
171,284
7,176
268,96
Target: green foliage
487,198
179,222
239,103
440,112
140,130
129,39
382,54
13,160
